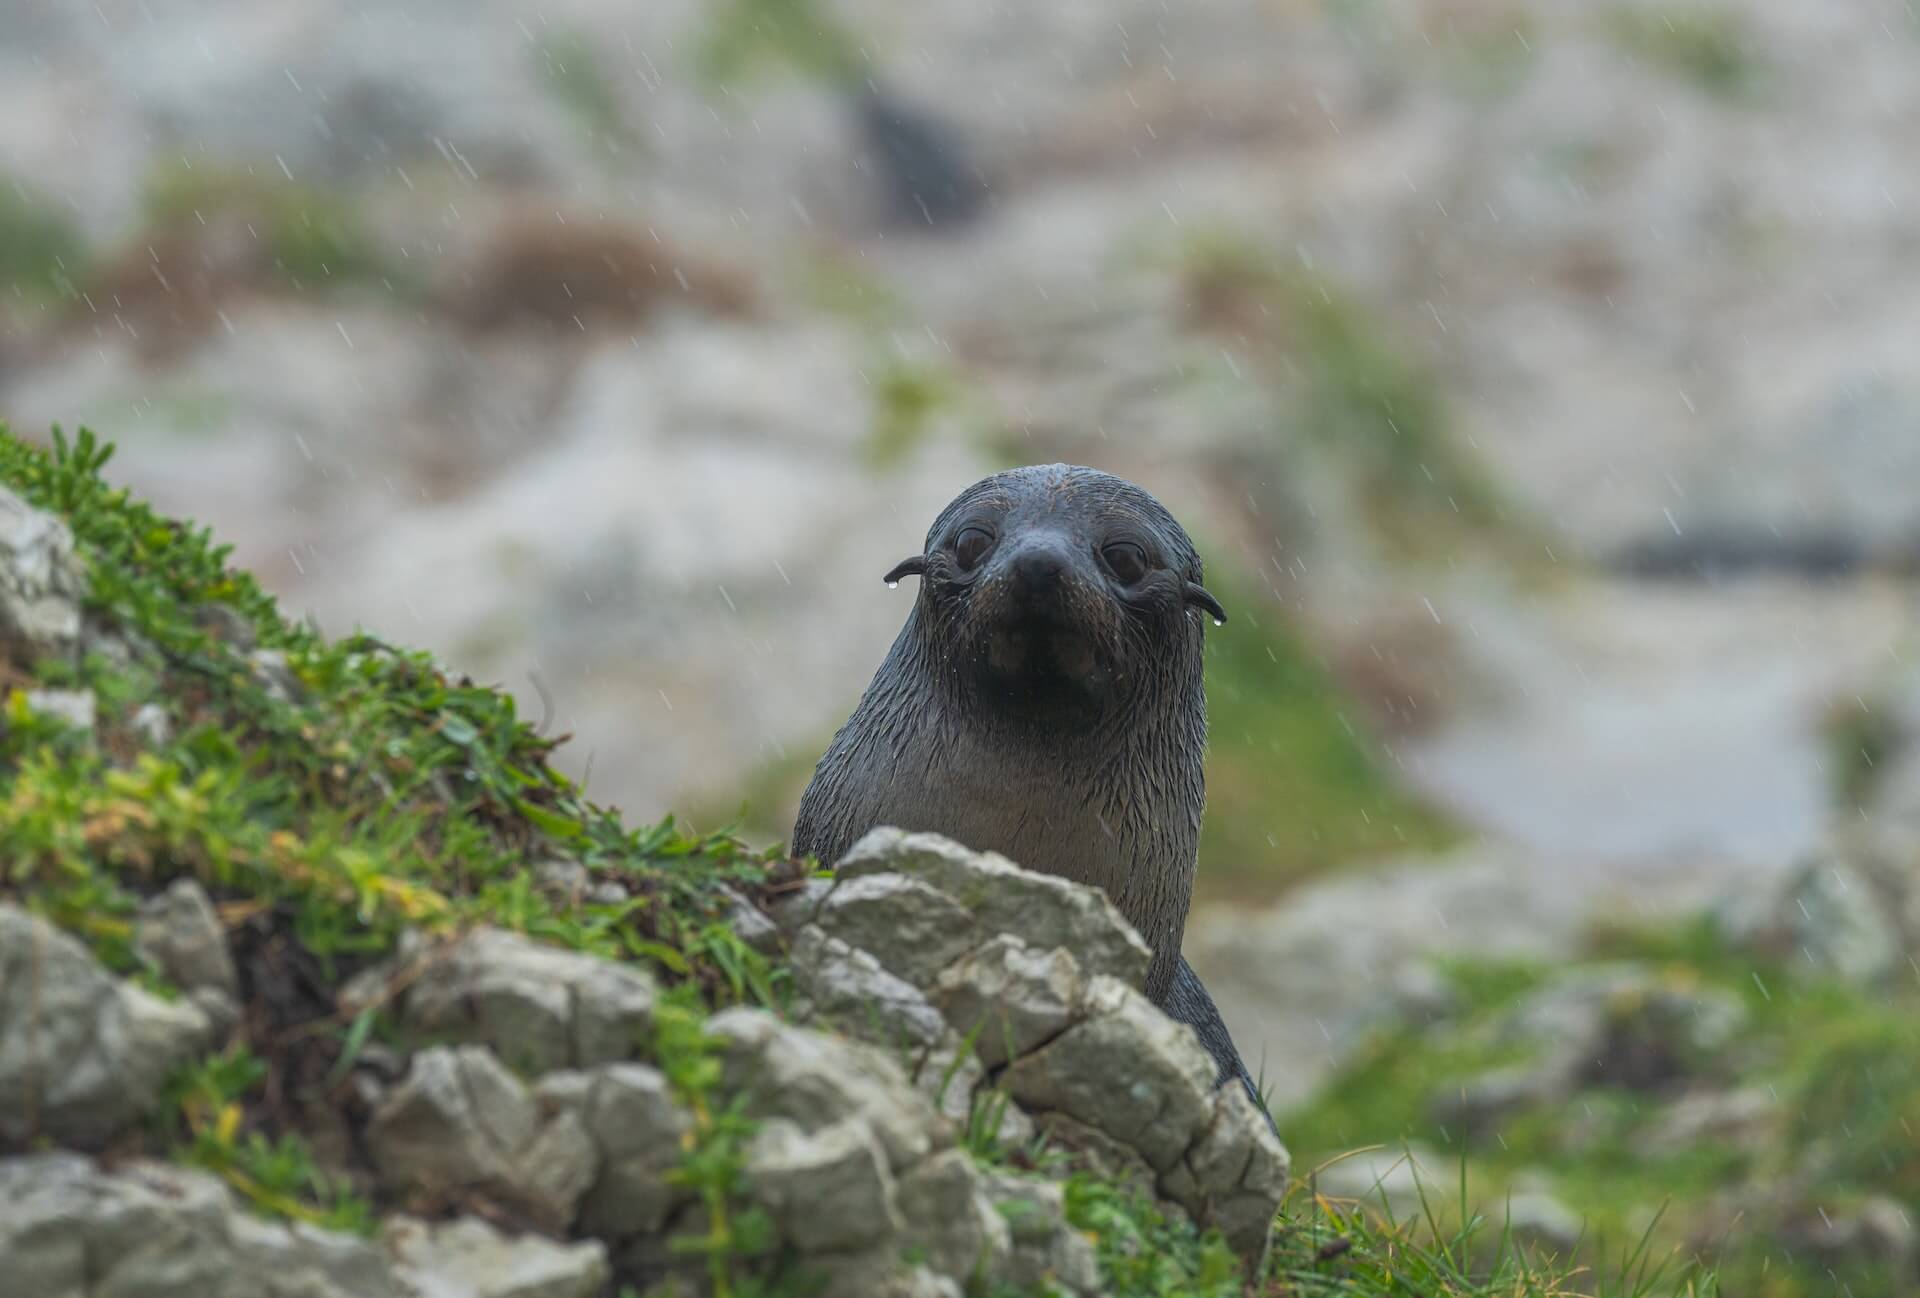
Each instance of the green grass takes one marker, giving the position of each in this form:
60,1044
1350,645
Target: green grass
388,794
1294,784
1492,58
1382,411
1333,1248
574,73
1345,386
278,1177
307,236
1860,736
1843,1063
1708,47
907,397
42,255
745,37
1328,1248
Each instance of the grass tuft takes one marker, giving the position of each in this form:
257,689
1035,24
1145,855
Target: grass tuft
1708,47
1295,783
42,255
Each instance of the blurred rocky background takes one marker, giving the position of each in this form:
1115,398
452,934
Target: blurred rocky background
1542,381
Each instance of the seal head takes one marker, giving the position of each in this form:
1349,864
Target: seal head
1045,698
1057,593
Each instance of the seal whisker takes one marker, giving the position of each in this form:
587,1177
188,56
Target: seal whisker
914,567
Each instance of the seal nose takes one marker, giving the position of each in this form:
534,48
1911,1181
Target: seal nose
1038,569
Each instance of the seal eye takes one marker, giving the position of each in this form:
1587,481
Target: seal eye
971,546
1127,561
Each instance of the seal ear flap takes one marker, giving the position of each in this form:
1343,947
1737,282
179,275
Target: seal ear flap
1198,594
914,567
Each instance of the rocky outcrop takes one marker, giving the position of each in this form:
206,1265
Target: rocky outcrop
82,1054
40,584
67,1227
1041,977
536,1006
459,1121
855,1159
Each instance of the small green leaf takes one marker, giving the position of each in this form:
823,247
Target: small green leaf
550,823
357,1034
660,952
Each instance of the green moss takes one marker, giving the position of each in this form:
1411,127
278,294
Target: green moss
743,37
41,253
1494,58
906,399
1294,784
308,236
573,72
1344,385
1384,415
1708,47
1860,739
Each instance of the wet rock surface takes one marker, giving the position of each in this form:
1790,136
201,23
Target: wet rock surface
69,1227
40,584
637,1129
179,934
83,1054
468,1258
459,1121
997,896
535,1005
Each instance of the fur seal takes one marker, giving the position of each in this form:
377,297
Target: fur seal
1044,700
